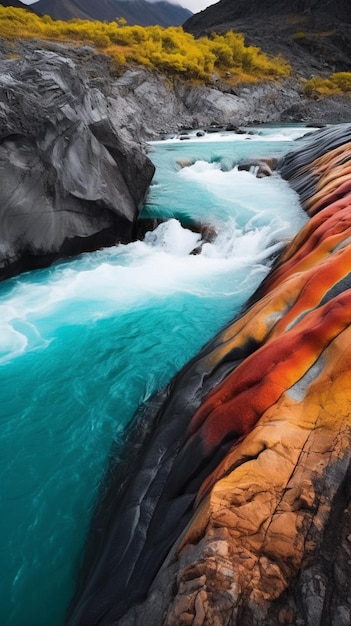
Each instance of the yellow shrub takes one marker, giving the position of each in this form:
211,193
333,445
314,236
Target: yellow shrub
342,80
223,54
170,50
337,83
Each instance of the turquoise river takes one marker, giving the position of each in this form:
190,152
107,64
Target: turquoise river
85,341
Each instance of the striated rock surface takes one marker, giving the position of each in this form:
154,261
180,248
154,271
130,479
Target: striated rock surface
69,180
143,105
137,94
236,508
193,106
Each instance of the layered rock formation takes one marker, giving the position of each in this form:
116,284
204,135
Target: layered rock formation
148,104
236,508
70,181
143,104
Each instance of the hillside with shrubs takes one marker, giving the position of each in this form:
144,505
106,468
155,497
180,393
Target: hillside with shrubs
168,50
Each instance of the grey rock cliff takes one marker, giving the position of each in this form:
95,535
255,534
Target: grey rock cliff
68,181
147,104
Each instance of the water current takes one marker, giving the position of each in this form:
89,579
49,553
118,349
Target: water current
85,341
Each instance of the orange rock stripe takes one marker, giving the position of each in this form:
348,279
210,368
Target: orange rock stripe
273,313
325,238
327,189
315,284
341,193
312,225
330,159
325,404
333,174
238,402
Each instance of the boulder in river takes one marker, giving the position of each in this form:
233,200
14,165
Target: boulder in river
260,167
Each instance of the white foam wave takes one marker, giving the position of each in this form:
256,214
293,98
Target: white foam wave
252,201
125,277
172,238
12,343
250,216
261,133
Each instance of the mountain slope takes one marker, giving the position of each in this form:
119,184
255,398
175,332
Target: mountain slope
16,4
134,11
312,35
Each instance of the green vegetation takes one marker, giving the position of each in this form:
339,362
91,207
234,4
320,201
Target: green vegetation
337,83
169,50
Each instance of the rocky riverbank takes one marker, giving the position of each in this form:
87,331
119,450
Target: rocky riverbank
188,106
148,105
73,132
237,509
143,105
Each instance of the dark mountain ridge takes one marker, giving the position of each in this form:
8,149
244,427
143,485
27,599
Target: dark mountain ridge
313,36
16,4
134,11
254,8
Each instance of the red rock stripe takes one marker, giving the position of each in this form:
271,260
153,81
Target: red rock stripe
238,402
